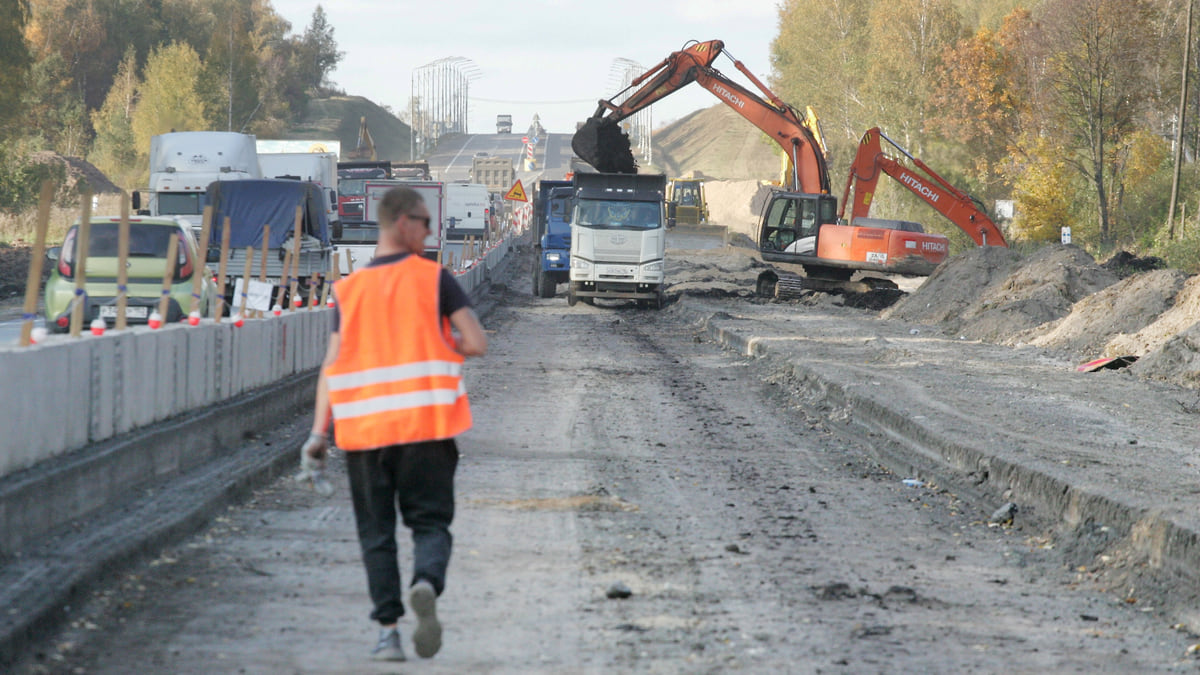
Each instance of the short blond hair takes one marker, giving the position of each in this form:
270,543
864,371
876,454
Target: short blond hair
395,203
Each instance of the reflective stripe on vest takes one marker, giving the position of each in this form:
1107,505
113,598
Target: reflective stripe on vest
396,378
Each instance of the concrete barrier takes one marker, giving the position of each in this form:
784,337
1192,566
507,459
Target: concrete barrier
79,417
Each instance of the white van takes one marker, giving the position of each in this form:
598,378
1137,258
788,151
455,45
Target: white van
467,211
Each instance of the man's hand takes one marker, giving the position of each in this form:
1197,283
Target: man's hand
313,453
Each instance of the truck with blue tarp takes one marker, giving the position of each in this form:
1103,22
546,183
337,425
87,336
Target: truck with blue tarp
250,206
552,236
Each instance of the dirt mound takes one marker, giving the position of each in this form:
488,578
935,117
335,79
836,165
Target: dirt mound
730,204
718,143
338,117
14,269
1181,316
1125,307
1176,361
990,293
1125,264
952,292
79,174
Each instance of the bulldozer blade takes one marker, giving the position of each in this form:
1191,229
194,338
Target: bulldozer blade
601,143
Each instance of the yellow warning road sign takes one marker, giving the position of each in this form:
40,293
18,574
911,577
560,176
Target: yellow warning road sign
517,193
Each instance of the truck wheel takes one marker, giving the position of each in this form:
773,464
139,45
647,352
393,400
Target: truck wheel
660,300
571,297
547,285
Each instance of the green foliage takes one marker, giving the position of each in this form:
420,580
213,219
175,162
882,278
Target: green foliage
167,98
21,179
14,54
114,151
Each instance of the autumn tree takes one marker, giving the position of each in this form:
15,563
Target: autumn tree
114,151
907,42
1095,61
14,54
229,81
317,54
819,59
167,97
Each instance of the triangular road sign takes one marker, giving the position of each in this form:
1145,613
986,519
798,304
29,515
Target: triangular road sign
517,193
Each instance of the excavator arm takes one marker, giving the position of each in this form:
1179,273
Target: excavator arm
601,143
956,205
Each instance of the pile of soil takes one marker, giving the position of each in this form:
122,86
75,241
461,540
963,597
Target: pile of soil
1175,321
992,294
1125,264
1122,308
731,205
79,174
14,269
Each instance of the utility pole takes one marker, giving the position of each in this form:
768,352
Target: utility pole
1183,95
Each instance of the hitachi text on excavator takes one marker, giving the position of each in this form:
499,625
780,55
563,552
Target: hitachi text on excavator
801,227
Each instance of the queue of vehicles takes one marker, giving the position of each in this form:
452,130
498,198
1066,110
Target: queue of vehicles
256,190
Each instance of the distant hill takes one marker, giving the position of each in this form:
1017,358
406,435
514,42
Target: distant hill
718,143
337,118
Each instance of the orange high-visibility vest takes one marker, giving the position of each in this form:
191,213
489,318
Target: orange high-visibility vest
396,378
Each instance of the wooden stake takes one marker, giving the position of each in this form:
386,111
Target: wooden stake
313,280
33,282
82,238
122,258
221,270
283,279
295,277
168,276
246,281
262,272
199,267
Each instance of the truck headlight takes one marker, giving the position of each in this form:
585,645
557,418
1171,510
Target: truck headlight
554,257
580,264
654,267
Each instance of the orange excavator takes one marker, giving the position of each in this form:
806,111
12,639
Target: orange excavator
957,206
801,226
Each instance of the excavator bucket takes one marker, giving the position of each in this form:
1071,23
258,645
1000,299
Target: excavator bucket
601,143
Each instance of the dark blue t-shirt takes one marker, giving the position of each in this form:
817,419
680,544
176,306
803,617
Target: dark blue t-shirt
451,296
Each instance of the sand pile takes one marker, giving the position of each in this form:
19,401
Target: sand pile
1176,320
1177,361
728,271
990,293
1125,307
730,205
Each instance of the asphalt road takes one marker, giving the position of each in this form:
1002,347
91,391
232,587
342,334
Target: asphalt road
615,445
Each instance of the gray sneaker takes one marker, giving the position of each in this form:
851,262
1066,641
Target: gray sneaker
427,637
389,647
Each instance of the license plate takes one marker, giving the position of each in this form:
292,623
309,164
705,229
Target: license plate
131,312
618,271
877,257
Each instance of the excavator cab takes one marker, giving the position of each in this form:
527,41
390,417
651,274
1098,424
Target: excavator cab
791,223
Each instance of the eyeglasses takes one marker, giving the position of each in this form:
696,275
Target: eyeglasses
423,219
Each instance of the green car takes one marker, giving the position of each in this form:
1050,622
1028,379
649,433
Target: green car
148,242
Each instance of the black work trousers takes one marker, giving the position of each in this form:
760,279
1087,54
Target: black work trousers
418,480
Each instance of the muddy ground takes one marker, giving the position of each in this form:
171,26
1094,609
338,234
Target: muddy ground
755,532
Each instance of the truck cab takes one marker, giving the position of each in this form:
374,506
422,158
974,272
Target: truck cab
618,238
553,265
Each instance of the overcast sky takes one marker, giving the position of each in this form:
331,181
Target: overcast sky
554,58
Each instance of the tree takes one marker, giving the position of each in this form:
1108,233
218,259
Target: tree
1096,58
907,42
819,59
114,151
229,80
15,55
317,54
167,97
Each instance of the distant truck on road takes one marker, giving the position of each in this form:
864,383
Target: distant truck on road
184,163
497,173
504,124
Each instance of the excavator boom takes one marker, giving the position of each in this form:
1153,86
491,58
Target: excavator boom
601,143
957,206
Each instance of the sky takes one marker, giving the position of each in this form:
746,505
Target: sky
552,58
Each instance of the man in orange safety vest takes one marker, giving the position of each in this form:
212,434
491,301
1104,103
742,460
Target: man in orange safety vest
392,385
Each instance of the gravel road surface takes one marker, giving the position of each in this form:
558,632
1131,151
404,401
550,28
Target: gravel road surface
616,447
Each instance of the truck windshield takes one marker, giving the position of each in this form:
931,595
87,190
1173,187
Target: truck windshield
352,188
618,215
180,203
